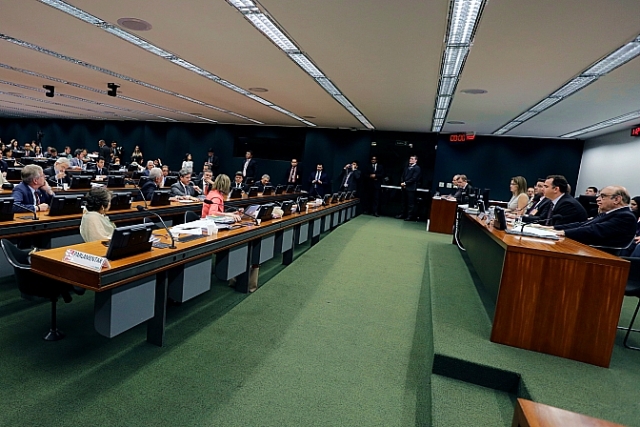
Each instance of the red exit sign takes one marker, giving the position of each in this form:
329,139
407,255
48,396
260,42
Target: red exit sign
462,137
635,131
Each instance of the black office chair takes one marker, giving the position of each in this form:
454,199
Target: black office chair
190,216
632,290
34,287
614,250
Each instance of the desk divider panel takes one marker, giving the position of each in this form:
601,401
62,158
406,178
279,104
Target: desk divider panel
353,211
348,213
190,280
343,215
263,249
316,227
232,262
283,241
120,309
336,219
302,233
326,223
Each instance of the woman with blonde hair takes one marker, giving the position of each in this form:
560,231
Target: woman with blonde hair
519,197
216,194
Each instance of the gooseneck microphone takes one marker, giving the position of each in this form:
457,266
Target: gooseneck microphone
145,209
539,220
28,209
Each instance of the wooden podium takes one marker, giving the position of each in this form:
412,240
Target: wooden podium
443,215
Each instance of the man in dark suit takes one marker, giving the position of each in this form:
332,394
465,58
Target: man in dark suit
265,181
318,181
151,185
615,225
33,194
563,205
249,168
350,177
294,174
56,174
104,151
374,174
212,161
184,188
538,207
238,182
101,170
409,182
464,189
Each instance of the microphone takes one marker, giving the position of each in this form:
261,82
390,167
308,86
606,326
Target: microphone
539,220
173,241
130,181
28,209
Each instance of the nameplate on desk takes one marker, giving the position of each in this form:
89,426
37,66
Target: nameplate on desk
92,262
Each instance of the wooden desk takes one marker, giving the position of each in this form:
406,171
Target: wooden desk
556,297
157,262
443,215
532,414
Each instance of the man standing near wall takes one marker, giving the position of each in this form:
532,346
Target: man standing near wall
409,182
374,173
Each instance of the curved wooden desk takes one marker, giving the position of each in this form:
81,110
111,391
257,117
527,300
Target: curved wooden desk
556,297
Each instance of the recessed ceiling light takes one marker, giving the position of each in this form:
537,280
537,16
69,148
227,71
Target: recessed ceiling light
474,91
258,89
455,122
134,24
309,117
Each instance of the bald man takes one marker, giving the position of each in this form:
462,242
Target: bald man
615,225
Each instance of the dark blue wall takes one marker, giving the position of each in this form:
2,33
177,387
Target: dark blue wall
490,162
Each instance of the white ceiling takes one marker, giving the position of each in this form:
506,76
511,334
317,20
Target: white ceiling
383,55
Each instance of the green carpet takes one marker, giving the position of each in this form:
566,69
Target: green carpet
337,338
463,352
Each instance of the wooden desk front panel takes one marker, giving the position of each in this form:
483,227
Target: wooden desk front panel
559,306
443,216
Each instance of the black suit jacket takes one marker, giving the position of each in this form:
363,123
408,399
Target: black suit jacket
147,189
411,176
379,174
570,209
102,171
352,185
105,151
252,169
214,164
320,189
50,173
614,229
3,166
297,178
462,195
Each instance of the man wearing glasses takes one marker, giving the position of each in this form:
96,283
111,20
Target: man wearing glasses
615,225
564,208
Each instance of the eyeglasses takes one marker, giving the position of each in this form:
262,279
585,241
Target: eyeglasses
604,196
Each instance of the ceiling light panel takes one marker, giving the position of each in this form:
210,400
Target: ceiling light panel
463,19
272,31
266,27
615,59
604,124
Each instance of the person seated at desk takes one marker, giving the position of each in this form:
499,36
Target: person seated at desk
33,194
634,205
564,207
150,166
237,183
56,174
78,161
101,170
462,189
184,188
3,164
264,182
519,198
152,184
95,224
217,193
615,225
591,191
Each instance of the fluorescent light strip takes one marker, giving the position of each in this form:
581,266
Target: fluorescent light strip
463,19
604,124
262,22
31,46
525,116
615,59
45,102
269,28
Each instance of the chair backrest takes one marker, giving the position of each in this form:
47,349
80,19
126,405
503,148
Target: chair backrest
191,216
16,257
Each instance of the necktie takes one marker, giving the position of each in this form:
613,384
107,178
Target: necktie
36,197
292,175
346,180
549,214
317,176
244,171
374,167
